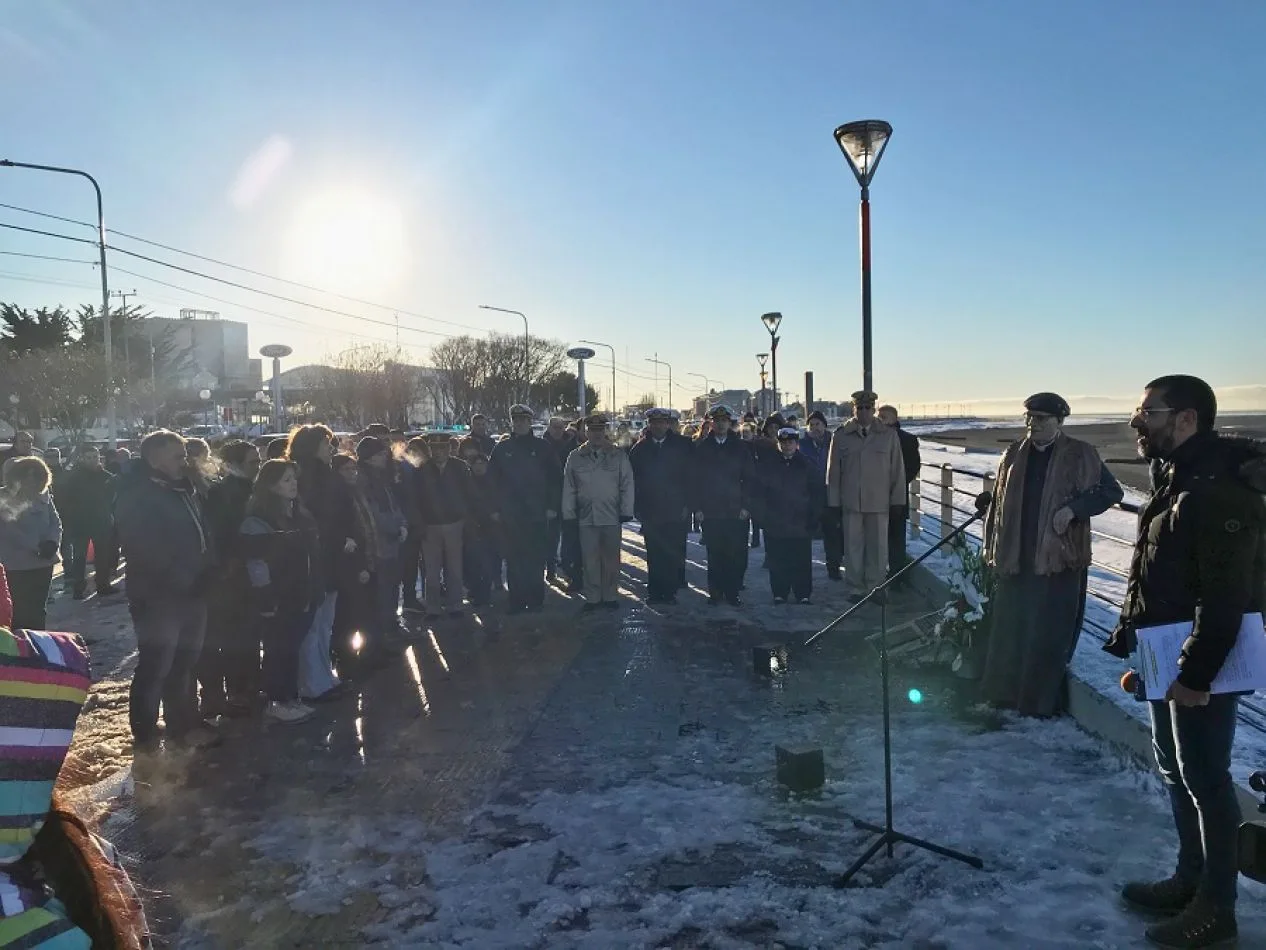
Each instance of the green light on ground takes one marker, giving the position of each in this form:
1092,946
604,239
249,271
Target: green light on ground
915,696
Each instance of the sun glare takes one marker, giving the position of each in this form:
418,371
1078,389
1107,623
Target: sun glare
347,240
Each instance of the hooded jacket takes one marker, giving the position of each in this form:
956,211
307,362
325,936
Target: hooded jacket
30,531
1200,556
163,534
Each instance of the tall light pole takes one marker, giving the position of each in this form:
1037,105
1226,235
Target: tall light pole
518,313
772,321
761,359
658,362
276,352
580,354
111,421
614,409
863,145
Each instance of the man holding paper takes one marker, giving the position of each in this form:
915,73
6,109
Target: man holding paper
1200,559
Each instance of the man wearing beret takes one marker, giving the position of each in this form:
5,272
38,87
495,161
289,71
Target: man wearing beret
1037,541
1200,560
865,480
723,486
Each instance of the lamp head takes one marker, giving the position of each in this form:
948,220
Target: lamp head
771,321
762,358
863,145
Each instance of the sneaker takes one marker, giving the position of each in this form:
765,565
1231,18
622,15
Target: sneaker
331,695
290,712
779,601
1170,896
804,601
1202,925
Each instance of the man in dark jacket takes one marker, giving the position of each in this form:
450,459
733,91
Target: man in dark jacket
788,500
899,516
529,494
479,434
662,477
1199,560
228,670
170,558
815,446
723,473
85,501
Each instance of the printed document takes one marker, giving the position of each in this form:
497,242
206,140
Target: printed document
1243,671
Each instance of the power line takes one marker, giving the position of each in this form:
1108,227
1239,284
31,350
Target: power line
46,257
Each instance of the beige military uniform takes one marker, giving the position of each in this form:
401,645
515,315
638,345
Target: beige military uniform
865,478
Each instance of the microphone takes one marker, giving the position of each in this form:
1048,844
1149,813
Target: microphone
983,501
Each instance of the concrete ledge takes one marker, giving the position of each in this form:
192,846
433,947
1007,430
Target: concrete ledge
1092,711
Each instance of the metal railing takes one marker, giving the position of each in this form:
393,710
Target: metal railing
1252,711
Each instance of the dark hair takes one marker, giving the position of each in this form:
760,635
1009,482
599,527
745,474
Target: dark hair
1189,392
304,442
418,446
85,882
198,447
264,502
236,452
341,461
277,448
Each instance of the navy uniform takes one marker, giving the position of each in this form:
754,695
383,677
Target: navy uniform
529,487
723,482
662,476
1200,558
788,501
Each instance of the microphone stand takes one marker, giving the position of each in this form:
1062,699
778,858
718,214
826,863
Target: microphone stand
888,835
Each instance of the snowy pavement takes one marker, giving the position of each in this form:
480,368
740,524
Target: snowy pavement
608,782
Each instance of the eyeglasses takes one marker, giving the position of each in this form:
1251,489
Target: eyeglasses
1148,411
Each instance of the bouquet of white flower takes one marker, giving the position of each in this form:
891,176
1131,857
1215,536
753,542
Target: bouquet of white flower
964,615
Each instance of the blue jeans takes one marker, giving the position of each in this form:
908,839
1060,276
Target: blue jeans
1193,752
169,636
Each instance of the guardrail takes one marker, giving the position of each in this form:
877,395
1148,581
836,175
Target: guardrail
1252,711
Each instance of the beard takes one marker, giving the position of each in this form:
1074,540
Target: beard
1157,444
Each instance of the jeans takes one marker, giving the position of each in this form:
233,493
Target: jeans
229,662
316,676
1193,752
283,635
169,636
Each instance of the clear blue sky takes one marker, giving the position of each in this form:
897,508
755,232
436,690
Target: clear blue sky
1073,199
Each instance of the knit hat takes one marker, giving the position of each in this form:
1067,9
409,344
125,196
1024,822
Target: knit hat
370,446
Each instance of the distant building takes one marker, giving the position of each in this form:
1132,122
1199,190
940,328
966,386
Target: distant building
352,398
740,400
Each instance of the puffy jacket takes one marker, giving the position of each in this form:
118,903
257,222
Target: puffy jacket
598,486
85,500
1200,555
164,536
443,492
282,563
789,496
529,478
865,474
723,474
662,476
30,532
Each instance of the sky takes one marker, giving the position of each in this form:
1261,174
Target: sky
1072,198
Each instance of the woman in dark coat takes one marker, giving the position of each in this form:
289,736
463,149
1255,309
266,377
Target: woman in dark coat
788,500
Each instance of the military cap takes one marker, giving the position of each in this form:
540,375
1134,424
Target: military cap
674,414
370,446
863,395
597,421
788,433
518,409
658,413
1051,404
721,410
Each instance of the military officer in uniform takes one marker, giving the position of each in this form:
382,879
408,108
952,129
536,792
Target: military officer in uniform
661,475
865,480
529,484
723,485
1200,559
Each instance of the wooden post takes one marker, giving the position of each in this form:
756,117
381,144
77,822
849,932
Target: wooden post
916,505
947,499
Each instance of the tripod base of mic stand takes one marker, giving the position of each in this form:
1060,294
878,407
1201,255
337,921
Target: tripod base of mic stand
888,838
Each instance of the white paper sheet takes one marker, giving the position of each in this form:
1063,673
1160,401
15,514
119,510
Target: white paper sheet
1243,671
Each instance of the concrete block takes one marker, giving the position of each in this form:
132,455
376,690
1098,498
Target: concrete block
769,659
800,768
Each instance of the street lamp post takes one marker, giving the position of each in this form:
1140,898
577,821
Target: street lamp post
762,359
614,409
658,362
863,145
772,321
518,313
205,396
276,352
580,354
111,421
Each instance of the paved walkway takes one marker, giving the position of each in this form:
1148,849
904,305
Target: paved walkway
547,781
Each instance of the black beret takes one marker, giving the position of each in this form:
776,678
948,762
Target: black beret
1050,403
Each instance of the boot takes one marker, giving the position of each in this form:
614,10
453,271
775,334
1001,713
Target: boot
1170,896
1202,925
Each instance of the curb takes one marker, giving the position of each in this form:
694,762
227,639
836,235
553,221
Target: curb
1090,709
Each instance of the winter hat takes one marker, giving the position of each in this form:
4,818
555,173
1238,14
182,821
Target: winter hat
370,446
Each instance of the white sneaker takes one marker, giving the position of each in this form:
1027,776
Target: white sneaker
291,712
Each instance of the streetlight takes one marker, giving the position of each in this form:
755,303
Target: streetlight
772,321
863,145
517,313
658,362
205,396
614,410
276,352
580,354
762,359
111,422
707,383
